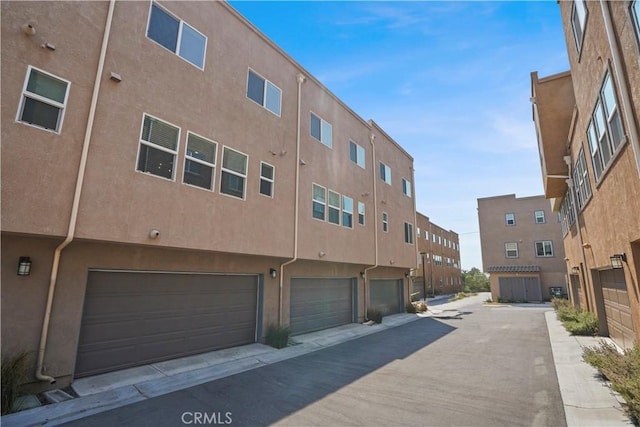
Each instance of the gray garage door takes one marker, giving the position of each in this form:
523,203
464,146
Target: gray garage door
386,296
617,307
321,303
132,318
524,289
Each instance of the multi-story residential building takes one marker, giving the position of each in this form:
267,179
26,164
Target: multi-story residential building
438,260
173,183
586,121
521,243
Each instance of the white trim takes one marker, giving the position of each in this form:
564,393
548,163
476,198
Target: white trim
386,168
343,211
325,203
406,183
155,146
321,133
202,162
364,155
271,180
330,206
264,92
364,214
27,94
246,175
385,222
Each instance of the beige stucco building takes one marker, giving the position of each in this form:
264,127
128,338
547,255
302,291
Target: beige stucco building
438,260
173,183
586,121
521,243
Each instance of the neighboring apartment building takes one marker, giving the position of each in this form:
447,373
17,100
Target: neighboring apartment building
173,183
587,126
521,242
438,260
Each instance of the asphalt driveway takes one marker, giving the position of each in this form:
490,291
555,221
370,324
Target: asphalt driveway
491,366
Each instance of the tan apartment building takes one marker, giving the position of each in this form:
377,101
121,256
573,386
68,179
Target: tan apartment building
438,260
586,121
521,243
173,183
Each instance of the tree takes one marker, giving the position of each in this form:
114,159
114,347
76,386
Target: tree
475,281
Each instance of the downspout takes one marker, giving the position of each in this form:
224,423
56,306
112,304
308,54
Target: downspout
372,138
76,201
624,92
415,229
300,78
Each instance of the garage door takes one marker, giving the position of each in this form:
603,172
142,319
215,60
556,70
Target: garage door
321,303
617,307
525,289
132,318
386,296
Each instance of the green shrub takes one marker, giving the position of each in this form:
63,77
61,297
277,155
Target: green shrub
410,308
575,320
622,370
558,303
277,336
14,372
375,315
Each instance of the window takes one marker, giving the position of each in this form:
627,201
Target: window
319,202
385,222
634,9
360,213
334,207
605,133
199,162
510,218
44,98
426,235
177,36
356,154
158,147
264,92
544,248
408,233
567,217
406,187
267,176
321,130
578,21
347,212
418,233
581,181
433,237
234,173
511,249
539,217
385,173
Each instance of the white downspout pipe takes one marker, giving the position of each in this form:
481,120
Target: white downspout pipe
622,86
300,78
372,138
76,202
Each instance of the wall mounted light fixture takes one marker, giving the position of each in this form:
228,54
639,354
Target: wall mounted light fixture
362,274
24,266
617,260
321,254
273,273
575,270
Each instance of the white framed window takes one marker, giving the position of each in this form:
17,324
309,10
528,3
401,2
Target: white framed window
234,173
418,233
510,218
43,101
433,237
347,212
199,161
539,217
605,133
408,233
385,222
361,213
582,186
578,21
263,92
334,207
176,35
566,216
544,248
634,10
319,202
356,154
267,178
511,249
158,147
406,187
426,235
321,130
385,173
439,240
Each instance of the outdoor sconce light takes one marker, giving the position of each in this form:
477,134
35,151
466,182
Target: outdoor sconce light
617,260
24,266
321,254
575,270
273,273
362,274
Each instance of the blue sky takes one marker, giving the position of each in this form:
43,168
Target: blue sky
449,81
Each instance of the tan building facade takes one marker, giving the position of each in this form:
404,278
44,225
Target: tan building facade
173,183
588,131
438,260
521,243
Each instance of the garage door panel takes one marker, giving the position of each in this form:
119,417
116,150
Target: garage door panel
320,303
131,318
617,307
386,296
